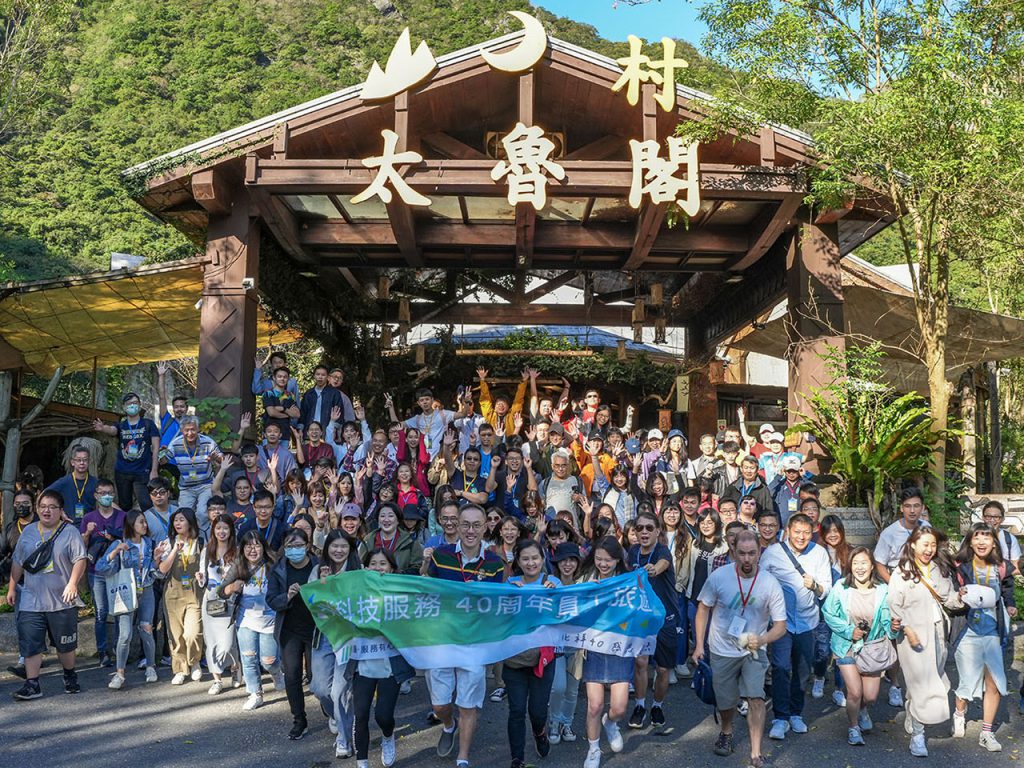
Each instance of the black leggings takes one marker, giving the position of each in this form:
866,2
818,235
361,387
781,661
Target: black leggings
292,650
362,698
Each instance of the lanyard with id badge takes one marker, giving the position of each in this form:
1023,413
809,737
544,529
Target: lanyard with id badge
738,625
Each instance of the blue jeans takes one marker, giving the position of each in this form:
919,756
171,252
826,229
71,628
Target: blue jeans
256,649
791,657
527,695
823,654
329,685
98,587
565,690
142,618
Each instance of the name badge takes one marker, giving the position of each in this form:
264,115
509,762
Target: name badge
192,475
792,505
186,581
737,626
79,510
426,442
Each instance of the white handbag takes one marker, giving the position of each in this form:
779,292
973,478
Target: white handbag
122,597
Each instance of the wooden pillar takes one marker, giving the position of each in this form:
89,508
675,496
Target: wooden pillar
703,414
814,293
969,439
995,429
7,476
227,338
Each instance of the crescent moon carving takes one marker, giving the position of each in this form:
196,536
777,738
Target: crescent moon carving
527,53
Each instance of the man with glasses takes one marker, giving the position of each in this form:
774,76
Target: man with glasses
767,529
48,597
467,561
158,516
78,486
448,519
195,455
994,513
749,483
560,489
270,529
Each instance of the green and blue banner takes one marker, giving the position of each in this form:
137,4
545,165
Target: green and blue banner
436,623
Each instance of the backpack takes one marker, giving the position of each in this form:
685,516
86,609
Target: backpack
702,685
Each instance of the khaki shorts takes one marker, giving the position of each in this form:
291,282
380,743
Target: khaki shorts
738,677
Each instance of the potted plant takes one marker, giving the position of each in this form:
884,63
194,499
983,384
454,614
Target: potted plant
874,436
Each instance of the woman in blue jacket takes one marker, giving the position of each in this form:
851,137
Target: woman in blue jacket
857,612
134,551
293,623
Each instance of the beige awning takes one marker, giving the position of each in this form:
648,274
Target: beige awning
119,318
870,313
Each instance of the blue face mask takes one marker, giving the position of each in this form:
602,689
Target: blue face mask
105,501
295,554
133,409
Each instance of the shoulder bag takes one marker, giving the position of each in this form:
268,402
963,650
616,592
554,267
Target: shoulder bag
40,557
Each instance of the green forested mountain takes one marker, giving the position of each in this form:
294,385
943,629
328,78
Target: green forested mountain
126,80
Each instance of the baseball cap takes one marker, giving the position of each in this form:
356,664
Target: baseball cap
655,434
556,429
633,445
776,437
130,395
765,428
351,509
412,512
595,434
564,551
791,462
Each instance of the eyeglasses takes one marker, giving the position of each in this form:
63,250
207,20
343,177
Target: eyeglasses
993,518
471,526
449,520
49,506
646,528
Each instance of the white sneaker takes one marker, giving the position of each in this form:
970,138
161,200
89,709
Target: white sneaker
116,682
406,688
839,699
567,733
236,678
854,739
672,679
988,741
554,733
151,675
179,679
215,688
142,663
743,707
387,751
818,689
359,763
896,697
778,730
255,701
197,673
959,724
278,681
611,730
342,748
917,745
864,721
797,724
683,671
593,758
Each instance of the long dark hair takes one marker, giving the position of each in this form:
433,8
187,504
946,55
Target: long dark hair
129,521
713,515
232,541
908,565
352,563
560,526
190,517
847,577
843,552
613,549
966,553
242,567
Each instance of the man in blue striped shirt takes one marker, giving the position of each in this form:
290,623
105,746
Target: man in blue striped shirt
195,455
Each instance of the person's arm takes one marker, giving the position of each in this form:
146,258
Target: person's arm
106,429
166,563
627,425
531,478
520,397
534,399
244,421
700,630
492,480
218,481
881,555
161,388
446,448
154,451
741,417
486,403
300,457
389,404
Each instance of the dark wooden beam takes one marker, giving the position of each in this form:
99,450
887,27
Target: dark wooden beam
551,285
449,146
498,290
399,213
281,223
529,314
767,228
212,190
601,149
767,142
696,295
583,178
282,137
604,236
652,214
505,261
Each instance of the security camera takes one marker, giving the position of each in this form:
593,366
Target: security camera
248,283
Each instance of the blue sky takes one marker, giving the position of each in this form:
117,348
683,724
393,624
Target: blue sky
652,21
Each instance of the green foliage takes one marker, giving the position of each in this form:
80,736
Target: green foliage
874,436
127,80
214,419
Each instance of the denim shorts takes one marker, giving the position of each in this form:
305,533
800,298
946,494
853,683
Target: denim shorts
845,661
606,668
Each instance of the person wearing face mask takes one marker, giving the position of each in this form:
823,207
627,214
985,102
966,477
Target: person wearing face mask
24,516
100,528
138,452
293,624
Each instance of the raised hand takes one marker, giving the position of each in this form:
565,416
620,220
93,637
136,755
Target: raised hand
517,420
245,421
449,439
525,373
336,413
98,425
499,430
162,368
359,411
481,373
388,402
228,461
380,464
531,433
527,462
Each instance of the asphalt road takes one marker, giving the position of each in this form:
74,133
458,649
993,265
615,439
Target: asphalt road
184,727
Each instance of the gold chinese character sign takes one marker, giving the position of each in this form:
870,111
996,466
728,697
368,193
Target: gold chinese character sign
529,155
659,177
389,173
638,68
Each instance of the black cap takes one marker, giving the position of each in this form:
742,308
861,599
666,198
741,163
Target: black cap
564,551
412,512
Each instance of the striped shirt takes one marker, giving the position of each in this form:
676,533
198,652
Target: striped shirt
194,463
447,563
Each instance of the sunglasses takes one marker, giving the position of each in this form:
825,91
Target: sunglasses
646,528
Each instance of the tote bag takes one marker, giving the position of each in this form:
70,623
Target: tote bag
121,595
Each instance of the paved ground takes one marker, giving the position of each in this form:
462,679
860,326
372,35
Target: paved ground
184,726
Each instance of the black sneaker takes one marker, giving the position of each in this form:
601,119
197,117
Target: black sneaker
106,660
71,682
30,690
636,720
723,745
657,717
446,742
517,763
299,729
433,719
543,743
18,670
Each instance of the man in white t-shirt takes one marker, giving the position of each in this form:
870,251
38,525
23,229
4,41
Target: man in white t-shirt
741,600
994,513
892,538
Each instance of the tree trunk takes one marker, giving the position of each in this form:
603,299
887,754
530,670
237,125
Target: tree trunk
938,396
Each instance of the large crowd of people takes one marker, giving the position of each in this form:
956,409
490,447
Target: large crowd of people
199,551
